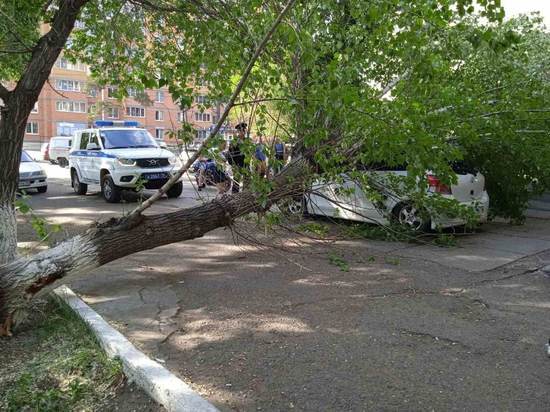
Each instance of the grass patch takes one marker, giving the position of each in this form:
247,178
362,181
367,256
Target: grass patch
55,364
339,261
314,228
396,233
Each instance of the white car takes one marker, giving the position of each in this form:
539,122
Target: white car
31,174
120,155
58,150
346,200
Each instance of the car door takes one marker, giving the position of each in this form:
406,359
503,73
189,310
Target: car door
94,158
345,200
83,163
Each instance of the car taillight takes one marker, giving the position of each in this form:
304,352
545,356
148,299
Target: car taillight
435,186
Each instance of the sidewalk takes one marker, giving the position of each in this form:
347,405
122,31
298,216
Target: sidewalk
407,326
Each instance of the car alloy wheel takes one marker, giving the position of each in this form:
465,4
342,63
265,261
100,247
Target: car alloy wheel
410,216
295,207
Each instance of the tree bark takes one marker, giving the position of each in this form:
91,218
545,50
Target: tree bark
18,104
23,278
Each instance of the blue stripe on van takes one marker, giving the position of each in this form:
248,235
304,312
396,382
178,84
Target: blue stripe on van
91,153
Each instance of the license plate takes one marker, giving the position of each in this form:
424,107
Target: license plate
154,176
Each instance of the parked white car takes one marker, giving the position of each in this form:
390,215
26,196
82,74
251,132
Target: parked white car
58,150
346,200
31,174
117,156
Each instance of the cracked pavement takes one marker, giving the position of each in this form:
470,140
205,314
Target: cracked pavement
414,327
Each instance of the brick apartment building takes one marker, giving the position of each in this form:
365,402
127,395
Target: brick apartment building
71,101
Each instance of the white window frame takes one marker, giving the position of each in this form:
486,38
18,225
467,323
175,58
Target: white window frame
70,106
161,129
34,130
135,111
202,117
109,88
109,113
159,115
68,85
159,96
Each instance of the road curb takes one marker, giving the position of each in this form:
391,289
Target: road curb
163,386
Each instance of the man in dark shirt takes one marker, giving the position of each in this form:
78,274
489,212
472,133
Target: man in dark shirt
236,149
235,155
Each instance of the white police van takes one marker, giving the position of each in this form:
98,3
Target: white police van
117,156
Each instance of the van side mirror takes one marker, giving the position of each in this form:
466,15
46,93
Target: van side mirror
92,146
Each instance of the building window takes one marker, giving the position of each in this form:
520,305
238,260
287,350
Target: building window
112,113
111,92
92,91
63,63
132,92
202,134
159,115
202,117
159,98
70,106
35,108
135,111
68,85
181,117
201,99
159,133
32,128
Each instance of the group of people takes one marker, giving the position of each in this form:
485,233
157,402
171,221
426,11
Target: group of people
235,172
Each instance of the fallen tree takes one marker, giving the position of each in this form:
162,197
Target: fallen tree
328,66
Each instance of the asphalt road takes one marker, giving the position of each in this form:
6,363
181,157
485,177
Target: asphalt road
407,327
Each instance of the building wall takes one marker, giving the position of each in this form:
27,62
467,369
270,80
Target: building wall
49,121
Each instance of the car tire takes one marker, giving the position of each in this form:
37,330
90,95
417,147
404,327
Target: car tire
51,161
296,206
78,187
42,189
111,192
175,191
61,161
408,215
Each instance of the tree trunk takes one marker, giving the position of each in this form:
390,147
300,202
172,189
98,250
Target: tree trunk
22,279
18,104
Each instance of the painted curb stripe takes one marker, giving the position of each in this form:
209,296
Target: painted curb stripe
163,386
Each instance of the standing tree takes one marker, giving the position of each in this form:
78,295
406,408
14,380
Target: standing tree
327,67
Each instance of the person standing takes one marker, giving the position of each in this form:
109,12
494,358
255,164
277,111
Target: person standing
261,158
236,156
279,155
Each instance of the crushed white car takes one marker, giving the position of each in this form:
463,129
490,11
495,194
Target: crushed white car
346,200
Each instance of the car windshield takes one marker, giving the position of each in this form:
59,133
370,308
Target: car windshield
25,157
122,139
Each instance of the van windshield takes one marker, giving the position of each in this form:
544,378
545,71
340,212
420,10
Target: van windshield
122,139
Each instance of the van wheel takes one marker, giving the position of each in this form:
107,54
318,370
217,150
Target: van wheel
79,188
175,190
61,161
409,216
42,189
111,193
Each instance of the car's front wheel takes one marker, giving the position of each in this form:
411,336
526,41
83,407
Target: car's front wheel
78,187
42,189
175,191
111,193
295,206
410,216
